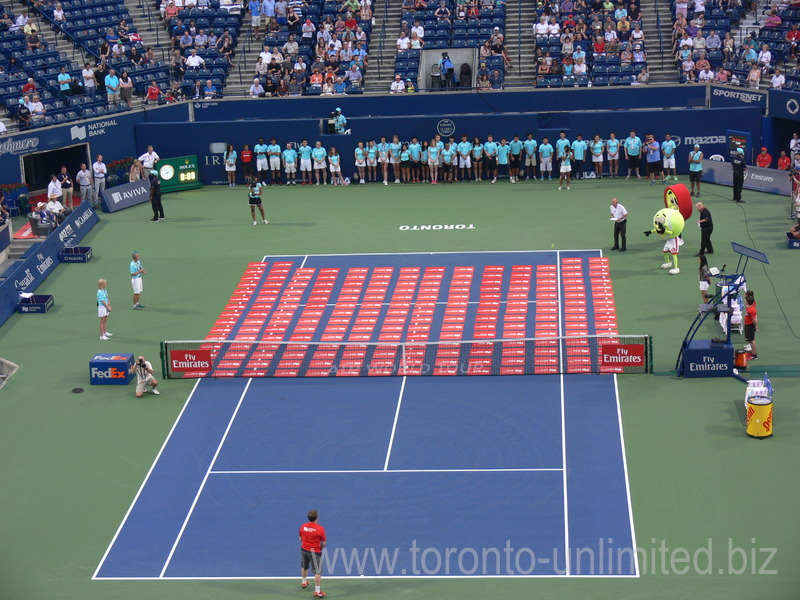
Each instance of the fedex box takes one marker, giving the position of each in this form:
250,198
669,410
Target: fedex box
111,369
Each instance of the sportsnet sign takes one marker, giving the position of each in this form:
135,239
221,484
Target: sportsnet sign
125,195
190,360
622,355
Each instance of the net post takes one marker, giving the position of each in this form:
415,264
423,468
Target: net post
403,364
649,346
163,354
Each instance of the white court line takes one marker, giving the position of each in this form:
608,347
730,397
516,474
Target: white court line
350,471
363,577
434,253
147,477
561,360
205,478
627,481
303,264
394,425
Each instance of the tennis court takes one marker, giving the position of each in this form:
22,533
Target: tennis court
449,476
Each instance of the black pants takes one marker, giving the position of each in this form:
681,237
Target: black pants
620,228
738,184
158,208
705,240
577,168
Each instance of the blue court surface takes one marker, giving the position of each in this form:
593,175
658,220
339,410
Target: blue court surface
487,476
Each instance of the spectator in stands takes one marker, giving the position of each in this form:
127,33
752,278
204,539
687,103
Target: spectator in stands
308,30
637,35
750,55
34,42
58,16
416,42
499,49
610,33
254,6
152,93
170,11
295,88
209,90
281,10
149,57
29,87
778,80
192,27
728,47
118,50
702,63
23,114
193,61
699,42
398,86
64,81
754,76
291,46
365,12
261,68
540,28
713,41
186,40
773,19
722,76
784,162
793,38
624,29
267,10
126,89
41,215
201,39
339,86
403,42
496,80
112,87
20,22
483,83
123,32
100,76
256,89
293,21
626,57
37,108
706,75
226,49
273,26
764,58
315,80
764,159
135,56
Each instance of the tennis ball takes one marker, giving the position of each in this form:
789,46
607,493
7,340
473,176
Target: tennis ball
553,245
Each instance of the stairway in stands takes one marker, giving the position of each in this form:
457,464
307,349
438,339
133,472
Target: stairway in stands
660,59
520,43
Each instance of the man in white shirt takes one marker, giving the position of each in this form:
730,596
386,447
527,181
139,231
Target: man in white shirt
99,173
266,54
398,85
403,43
149,158
193,60
541,27
84,181
291,46
54,206
778,80
54,189
418,29
705,76
620,217
89,82
713,41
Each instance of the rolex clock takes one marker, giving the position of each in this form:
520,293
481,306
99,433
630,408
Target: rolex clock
179,173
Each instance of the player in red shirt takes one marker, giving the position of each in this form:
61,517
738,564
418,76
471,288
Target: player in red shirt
247,162
764,159
312,541
751,323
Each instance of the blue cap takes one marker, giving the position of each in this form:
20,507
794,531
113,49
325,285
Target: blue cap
740,150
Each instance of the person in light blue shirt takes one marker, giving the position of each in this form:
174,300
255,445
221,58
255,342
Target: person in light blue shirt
448,157
341,121
565,168
546,159
262,162
335,161
633,153
384,151
562,143
433,161
64,81
477,159
394,157
423,161
415,150
405,164
596,147
490,154
112,87
515,159
503,153
137,270
319,158
255,16
372,160
695,170
230,165
305,162
612,149
268,9
360,156
668,150
103,308
464,149
290,164
530,147
274,155
579,148
653,152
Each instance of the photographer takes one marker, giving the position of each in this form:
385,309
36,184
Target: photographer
339,121
144,377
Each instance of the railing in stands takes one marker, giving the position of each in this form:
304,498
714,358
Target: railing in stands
660,37
519,37
381,46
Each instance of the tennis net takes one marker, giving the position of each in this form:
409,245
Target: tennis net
528,356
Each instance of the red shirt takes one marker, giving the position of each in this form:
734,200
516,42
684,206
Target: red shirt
247,156
764,160
784,162
793,35
750,314
311,536
153,92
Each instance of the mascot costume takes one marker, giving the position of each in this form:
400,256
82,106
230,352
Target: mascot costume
669,222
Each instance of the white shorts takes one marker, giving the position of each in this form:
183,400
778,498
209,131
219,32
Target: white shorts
704,286
361,162
669,163
673,245
141,386
597,159
275,163
395,160
101,311
371,162
137,284
464,162
230,168
255,21
547,163
305,164
530,161
320,166
383,159
433,162
262,164
336,169
566,168
614,156
290,168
